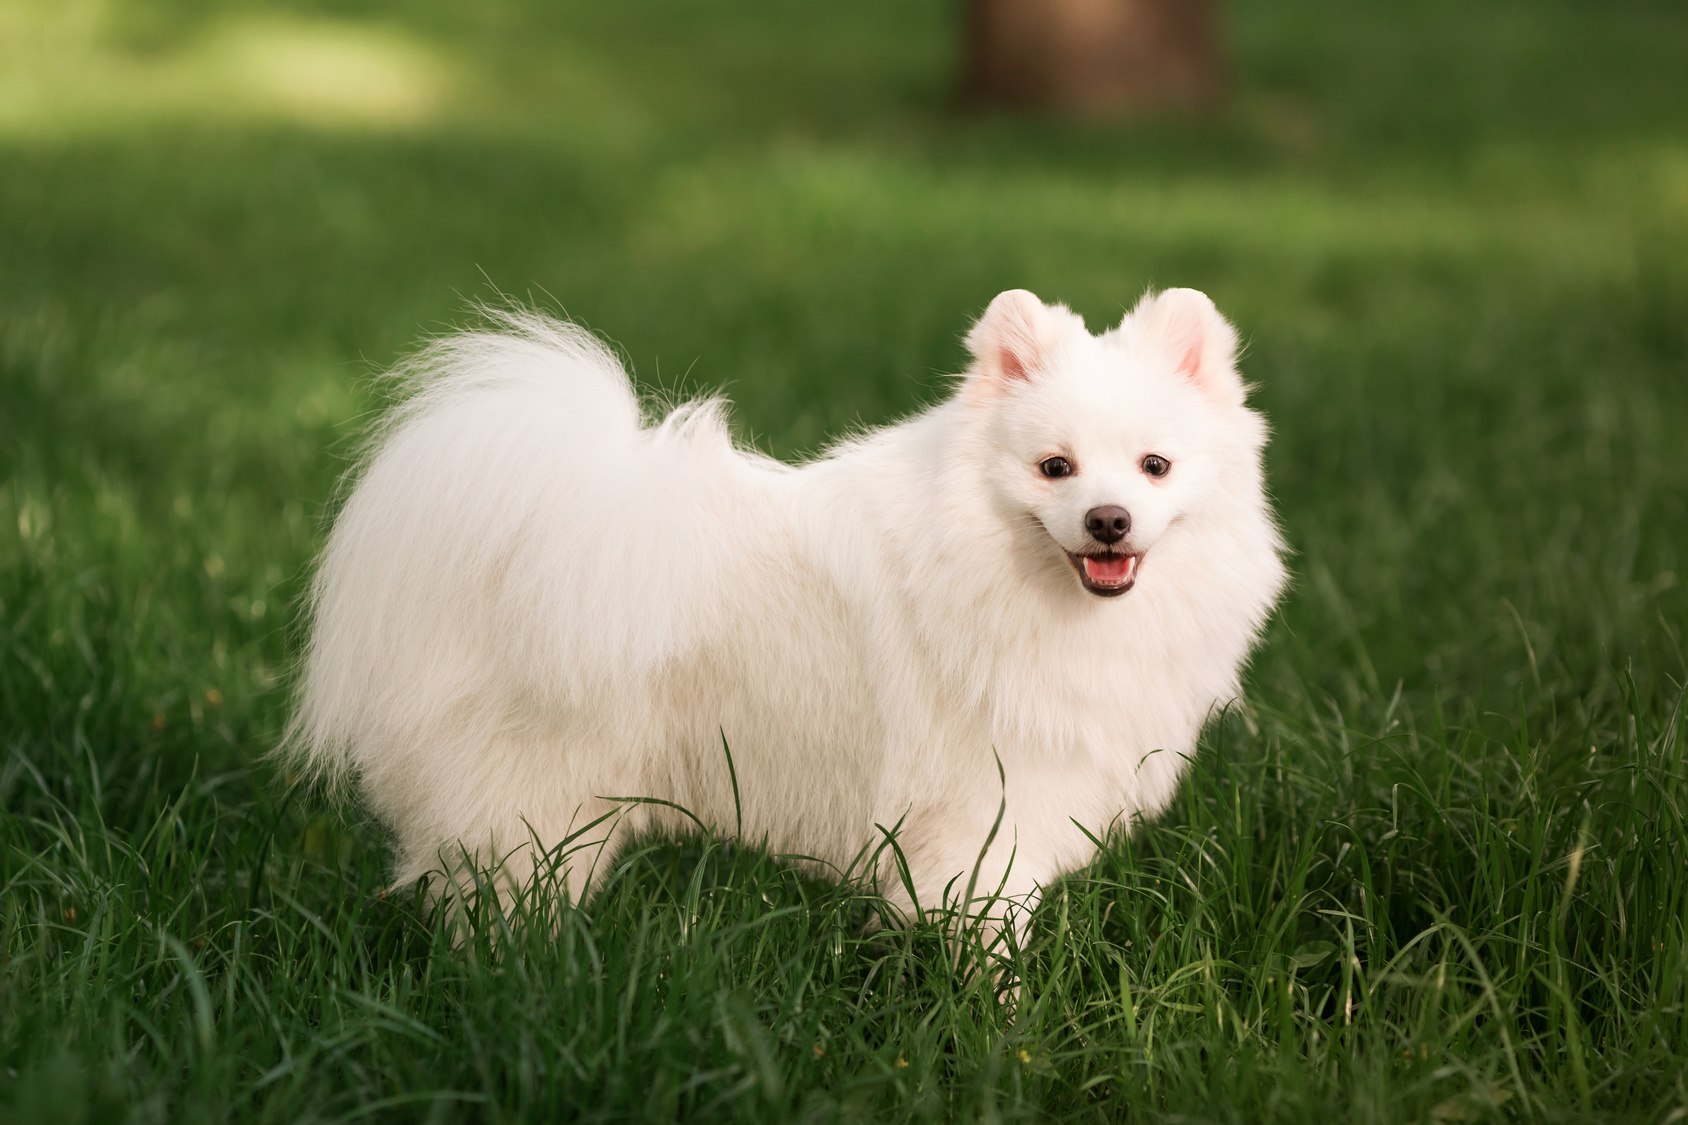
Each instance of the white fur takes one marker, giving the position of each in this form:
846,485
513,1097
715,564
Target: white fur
534,600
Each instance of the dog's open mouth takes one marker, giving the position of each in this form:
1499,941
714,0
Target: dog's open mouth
1106,576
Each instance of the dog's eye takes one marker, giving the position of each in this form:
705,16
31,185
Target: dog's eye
1156,465
1055,467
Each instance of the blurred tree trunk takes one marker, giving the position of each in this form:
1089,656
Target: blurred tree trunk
1094,56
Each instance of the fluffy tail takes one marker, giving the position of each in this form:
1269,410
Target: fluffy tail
500,547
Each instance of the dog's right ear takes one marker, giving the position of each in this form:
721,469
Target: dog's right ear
1183,327
1013,341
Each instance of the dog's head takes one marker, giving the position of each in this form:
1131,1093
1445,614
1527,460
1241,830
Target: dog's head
1105,442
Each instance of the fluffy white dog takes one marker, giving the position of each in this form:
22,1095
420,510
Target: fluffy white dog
534,600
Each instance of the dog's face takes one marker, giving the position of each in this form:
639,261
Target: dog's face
1103,443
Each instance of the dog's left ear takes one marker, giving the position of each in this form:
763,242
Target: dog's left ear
1183,326
1016,339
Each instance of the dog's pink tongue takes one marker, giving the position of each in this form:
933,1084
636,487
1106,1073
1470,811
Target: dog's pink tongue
1109,571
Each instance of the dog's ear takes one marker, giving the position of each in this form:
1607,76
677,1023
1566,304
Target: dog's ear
1182,326
1014,340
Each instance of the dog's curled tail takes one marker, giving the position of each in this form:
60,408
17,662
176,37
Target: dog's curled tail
482,513
520,350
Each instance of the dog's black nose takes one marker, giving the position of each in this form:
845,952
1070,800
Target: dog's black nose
1107,524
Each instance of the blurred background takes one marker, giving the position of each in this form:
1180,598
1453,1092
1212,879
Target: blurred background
1452,235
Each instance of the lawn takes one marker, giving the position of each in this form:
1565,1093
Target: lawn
1433,867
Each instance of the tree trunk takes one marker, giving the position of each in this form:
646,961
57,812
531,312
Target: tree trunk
1095,57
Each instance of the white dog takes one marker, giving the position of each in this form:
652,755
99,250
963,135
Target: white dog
534,600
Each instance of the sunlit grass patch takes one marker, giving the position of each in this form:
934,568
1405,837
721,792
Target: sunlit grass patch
65,67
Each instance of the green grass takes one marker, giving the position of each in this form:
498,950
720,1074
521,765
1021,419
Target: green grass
1434,868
